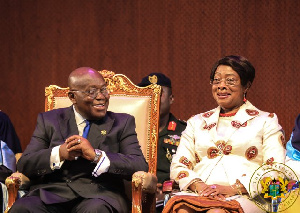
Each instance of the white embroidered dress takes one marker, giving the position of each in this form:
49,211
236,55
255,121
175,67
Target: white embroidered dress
221,150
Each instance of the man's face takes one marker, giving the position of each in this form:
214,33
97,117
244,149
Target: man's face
89,107
166,99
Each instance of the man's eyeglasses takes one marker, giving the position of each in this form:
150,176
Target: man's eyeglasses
93,92
228,81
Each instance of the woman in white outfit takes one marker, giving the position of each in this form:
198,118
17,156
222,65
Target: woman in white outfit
220,149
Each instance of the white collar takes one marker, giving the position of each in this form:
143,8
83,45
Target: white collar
78,118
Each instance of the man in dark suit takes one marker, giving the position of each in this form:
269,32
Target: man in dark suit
79,156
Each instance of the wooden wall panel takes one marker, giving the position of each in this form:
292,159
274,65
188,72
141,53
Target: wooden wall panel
43,41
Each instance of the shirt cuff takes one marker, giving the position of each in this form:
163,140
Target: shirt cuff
55,162
102,166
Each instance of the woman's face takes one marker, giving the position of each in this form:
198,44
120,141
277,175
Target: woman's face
227,89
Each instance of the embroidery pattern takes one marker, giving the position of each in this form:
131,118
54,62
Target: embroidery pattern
212,152
237,124
198,159
252,112
182,174
270,161
251,152
220,144
271,115
225,149
208,114
209,126
185,162
222,149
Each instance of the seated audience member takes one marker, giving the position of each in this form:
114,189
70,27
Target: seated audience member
170,129
221,148
79,156
293,149
10,145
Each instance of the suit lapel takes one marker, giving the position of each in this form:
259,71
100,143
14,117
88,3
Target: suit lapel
99,131
67,123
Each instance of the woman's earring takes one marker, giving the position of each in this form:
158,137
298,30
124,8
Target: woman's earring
244,98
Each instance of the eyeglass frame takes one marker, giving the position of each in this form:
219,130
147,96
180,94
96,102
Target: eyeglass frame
102,90
227,81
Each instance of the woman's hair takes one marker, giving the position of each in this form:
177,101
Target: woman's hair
239,64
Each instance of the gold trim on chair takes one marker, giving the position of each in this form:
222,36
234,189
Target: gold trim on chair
51,92
13,185
118,84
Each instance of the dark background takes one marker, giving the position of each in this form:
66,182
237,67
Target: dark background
42,41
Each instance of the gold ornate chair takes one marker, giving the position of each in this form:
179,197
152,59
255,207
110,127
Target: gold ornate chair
13,184
143,104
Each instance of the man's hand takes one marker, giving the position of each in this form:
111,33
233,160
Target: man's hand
66,155
76,144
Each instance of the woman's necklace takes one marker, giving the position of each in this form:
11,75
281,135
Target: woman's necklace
228,114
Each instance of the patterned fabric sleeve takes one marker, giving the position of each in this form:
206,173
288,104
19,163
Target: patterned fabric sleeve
273,140
184,160
273,145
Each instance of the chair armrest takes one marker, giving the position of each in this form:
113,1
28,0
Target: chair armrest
143,192
13,183
24,181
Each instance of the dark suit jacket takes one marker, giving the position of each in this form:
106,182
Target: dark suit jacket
75,178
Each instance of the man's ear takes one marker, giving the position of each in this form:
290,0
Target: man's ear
71,96
171,99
